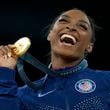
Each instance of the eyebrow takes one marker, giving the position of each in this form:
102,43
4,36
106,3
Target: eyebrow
65,16
83,21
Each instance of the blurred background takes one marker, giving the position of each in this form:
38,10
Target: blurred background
31,19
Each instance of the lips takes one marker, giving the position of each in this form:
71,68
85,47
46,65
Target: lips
69,39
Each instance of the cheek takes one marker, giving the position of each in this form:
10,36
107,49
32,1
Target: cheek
84,43
85,38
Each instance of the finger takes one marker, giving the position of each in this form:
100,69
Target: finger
5,51
11,46
2,50
9,51
13,49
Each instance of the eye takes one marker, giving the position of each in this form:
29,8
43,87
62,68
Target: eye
62,20
83,26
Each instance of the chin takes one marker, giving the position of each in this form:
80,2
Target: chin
69,56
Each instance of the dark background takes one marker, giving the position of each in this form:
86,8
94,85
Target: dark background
31,19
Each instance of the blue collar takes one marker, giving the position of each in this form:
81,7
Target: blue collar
81,66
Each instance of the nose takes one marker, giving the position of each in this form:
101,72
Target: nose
71,28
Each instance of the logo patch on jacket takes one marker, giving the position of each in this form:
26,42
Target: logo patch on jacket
85,86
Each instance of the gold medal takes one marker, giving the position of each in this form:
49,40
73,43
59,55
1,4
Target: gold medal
21,46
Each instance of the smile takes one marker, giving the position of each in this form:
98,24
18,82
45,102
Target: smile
68,39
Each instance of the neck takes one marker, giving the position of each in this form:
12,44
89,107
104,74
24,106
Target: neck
58,62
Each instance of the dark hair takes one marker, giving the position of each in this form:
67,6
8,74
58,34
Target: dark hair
94,28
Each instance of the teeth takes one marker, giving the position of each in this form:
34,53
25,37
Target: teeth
68,36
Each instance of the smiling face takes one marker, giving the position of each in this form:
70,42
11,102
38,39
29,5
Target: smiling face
71,35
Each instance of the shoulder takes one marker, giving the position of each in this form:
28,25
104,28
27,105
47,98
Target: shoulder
98,74
97,71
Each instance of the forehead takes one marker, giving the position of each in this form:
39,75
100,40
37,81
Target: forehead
76,14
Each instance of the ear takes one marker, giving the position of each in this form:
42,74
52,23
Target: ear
48,38
90,48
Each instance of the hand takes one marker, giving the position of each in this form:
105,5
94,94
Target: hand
7,57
